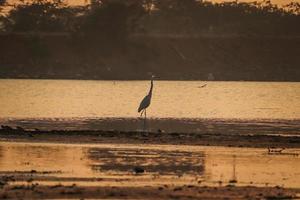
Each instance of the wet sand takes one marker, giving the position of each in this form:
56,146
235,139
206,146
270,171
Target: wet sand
185,192
140,137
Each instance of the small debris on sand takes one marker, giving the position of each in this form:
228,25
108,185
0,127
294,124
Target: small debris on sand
138,170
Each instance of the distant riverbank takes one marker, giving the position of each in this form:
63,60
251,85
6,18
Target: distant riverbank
64,56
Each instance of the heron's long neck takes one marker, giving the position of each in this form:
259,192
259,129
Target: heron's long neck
150,91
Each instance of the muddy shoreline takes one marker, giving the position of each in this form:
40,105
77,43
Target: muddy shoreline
136,137
130,184
186,192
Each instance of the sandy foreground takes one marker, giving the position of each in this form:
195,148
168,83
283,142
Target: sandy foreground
15,185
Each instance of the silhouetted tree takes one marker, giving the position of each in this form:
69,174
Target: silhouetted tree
39,15
115,20
293,7
192,16
112,19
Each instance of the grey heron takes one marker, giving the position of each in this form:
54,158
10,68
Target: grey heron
145,103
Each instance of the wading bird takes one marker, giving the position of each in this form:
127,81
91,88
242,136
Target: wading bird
145,103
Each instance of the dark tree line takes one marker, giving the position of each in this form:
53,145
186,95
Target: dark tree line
117,19
120,39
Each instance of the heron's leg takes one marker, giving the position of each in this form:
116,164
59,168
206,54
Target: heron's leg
145,119
142,112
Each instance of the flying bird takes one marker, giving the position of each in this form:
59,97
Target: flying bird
202,86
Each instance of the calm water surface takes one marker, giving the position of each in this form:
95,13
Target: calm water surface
173,99
63,101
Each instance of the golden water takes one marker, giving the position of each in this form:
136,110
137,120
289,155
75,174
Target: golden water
171,99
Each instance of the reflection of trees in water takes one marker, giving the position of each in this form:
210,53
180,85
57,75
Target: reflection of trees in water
153,161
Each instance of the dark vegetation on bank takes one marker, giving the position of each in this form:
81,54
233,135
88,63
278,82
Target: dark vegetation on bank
174,39
272,142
